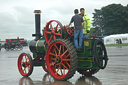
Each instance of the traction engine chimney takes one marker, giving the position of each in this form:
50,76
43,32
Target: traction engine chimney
37,25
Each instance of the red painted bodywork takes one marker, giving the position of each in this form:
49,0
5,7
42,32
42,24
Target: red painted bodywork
21,40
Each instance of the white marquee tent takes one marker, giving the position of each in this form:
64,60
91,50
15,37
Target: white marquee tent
112,39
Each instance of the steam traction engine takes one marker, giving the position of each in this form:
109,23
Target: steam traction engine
12,44
55,52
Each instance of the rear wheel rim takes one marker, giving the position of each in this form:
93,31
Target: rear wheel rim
58,60
25,64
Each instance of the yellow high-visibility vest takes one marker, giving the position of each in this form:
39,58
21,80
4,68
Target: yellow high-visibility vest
87,24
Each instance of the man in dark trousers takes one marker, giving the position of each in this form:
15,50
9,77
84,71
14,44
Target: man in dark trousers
78,32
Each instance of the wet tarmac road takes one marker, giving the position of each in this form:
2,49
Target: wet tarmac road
116,72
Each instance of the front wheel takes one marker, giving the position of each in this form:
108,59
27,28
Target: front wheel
25,64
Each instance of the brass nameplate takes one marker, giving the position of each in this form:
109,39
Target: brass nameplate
86,43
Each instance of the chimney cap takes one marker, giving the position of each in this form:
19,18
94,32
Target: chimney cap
37,11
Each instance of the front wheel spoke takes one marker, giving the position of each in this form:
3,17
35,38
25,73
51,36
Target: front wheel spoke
22,61
28,63
24,70
28,67
26,58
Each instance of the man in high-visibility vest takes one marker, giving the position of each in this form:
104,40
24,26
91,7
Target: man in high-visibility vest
87,23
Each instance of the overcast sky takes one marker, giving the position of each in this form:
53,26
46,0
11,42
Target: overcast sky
17,17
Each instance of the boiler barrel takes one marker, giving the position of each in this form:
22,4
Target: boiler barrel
37,46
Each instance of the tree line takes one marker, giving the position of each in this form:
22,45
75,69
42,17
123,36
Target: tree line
111,19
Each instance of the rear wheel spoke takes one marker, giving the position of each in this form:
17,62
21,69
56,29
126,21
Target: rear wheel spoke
66,59
56,47
54,59
64,52
52,54
60,50
67,55
61,70
55,52
58,69
68,64
65,66
55,66
64,71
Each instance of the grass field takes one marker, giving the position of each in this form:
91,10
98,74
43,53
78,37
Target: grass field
117,45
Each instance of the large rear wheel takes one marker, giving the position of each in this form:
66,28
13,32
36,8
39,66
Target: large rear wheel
61,59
